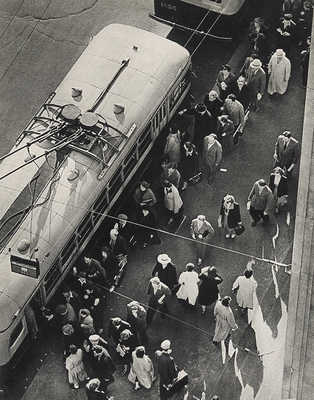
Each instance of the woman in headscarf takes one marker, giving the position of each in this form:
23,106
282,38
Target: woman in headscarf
279,70
142,369
208,287
188,282
166,271
75,367
126,345
278,184
225,322
229,216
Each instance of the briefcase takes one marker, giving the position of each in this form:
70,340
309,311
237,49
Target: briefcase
178,383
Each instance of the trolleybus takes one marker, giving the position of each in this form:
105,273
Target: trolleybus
101,123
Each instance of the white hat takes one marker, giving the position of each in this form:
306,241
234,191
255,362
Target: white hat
256,63
280,52
165,345
94,339
163,259
201,217
155,280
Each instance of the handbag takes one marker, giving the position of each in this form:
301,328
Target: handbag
178,383
239,229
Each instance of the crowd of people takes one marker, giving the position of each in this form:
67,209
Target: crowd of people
90,353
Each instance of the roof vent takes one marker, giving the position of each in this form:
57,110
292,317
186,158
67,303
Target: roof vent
118,109
23,246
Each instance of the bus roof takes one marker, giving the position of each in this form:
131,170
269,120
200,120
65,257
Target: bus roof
154,64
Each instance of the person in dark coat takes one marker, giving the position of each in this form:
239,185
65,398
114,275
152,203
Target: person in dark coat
158,294
258,38
144,235
305,60
256,83
225,81
204,123
170,173
103,365
94,270
285,33
213,103
208,289
166,367
260,202
241,91
287,152
225,131
116,326
229,216
71,297
278,184
118,244
127,343
136,316
166,271
109,263
125,229
189,163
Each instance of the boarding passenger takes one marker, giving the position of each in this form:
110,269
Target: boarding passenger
86,323
172,148
166,367
116,326
94,391
189,163
166,271
225,132
103,366
240,90
235,111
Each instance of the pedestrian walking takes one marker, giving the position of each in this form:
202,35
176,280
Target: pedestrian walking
204,123
245,287
278,184
170,173
116,326
286,32
225,80
126,230
235,110
125,347
172,148
258,38
225,322
136,317
75,367
65,314
86,323
94,270
225,132
305,61
166,367
94,391
144,196
208,287
212,156
241,91
189,163
69,337
260,202
229,216
173,202
118,244
287,152
102,364
142,369
166,271
146,233
202,232
256,82
213,103
279,70
158,294
188,281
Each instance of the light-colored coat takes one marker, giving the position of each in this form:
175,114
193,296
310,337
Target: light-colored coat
263,201
172,200
75,367
212,155
142,369
225,322
173,148
246,288
235,110
279,75
188,281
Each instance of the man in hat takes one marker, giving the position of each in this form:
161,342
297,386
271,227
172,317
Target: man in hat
166,271
279,70
235,110
166,367
287,152
202,232
285,32
125,229
225,81
204,123
225,131
260,202
159,293
144,196
212,156
256,82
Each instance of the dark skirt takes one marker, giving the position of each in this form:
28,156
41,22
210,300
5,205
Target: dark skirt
208,291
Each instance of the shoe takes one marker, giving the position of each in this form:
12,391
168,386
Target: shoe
215,343
76,386
111,288
184,186
137,386
227,236
233,235
199,261
253,223
170,221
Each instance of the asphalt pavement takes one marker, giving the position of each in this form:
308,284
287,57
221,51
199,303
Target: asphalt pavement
40,43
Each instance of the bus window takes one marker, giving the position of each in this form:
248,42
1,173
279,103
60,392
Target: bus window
52,277
101,203
16,333
115,183
144,140
130,161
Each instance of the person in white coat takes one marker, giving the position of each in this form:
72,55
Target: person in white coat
244,287
279,69
142,369
188,281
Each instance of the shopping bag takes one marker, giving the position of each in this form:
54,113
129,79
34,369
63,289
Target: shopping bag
178,383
